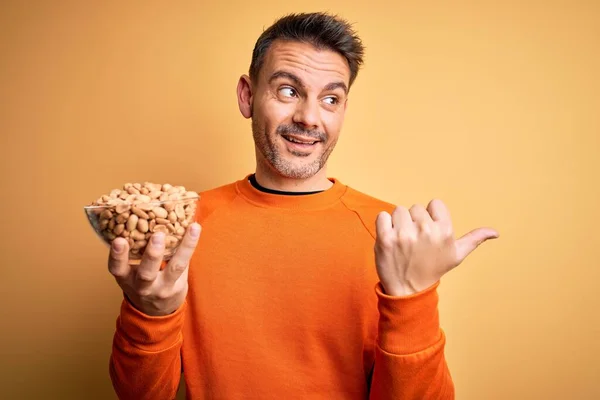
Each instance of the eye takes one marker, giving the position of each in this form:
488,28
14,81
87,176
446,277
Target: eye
288,91
331,100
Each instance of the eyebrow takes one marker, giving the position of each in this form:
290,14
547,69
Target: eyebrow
336,85
288,75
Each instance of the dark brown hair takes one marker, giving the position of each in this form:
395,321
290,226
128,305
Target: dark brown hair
322,30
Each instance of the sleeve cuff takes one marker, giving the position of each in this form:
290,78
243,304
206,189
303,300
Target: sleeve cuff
408,324
147,332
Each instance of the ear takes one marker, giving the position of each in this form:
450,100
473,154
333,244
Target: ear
244,95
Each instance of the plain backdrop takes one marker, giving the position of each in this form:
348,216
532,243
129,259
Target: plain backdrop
491,106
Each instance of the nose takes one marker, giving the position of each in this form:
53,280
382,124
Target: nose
307,114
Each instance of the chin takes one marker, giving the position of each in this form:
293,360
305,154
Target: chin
294,170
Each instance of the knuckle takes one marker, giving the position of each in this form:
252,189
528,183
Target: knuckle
447,232
115,259
406,237
145,276
189,242
425,228
153,254
144,292
116,271
385,241
179,266
164,294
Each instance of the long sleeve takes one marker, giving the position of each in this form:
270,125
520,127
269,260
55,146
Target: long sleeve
409,359
145,363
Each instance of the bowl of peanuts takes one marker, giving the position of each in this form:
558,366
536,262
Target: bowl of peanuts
138,210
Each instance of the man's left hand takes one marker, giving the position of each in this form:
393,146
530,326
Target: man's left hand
415,248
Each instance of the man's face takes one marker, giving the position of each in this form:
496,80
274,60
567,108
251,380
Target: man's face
298,106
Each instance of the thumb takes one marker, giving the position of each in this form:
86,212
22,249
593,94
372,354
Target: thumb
470,241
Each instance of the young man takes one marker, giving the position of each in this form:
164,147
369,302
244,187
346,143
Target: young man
301,287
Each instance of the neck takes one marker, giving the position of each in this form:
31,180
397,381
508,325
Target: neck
272,180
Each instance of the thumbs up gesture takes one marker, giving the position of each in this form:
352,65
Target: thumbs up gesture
415,247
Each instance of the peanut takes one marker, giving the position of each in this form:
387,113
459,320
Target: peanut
137,235
170,241
160,212
138,244
106,214
103,224
142,225
139,212
169,206
180,211
142,198
161,228
146,207
122,218
132,222
121,208
119,229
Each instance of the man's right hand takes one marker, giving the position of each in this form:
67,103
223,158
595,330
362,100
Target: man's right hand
151,290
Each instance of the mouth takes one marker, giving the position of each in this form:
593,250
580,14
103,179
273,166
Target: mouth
300,140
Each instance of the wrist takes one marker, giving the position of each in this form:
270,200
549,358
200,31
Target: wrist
405,288
154,309
398,290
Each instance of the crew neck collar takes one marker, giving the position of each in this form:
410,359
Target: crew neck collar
310,201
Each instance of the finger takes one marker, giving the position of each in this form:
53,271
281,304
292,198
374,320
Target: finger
118,259
401,219
383,224
438,211
149,267
470,241
181,259
419,214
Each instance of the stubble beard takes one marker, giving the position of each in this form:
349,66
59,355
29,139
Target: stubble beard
268,148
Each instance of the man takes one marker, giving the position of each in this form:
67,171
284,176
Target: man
301,287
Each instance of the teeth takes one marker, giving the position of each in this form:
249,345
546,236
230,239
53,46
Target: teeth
298,141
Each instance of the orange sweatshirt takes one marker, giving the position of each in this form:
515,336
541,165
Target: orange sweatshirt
284,303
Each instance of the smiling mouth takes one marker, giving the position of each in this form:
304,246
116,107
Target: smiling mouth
299,139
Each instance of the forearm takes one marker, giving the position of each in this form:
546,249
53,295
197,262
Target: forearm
146,357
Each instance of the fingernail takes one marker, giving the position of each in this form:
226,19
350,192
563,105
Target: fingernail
117,246
194,230
157,239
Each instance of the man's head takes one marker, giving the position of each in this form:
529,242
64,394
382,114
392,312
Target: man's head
301,71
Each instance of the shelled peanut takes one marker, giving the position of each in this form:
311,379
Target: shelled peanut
138,210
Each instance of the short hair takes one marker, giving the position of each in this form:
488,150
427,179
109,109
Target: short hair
322,30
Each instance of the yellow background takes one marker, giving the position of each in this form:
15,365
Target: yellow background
493,107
